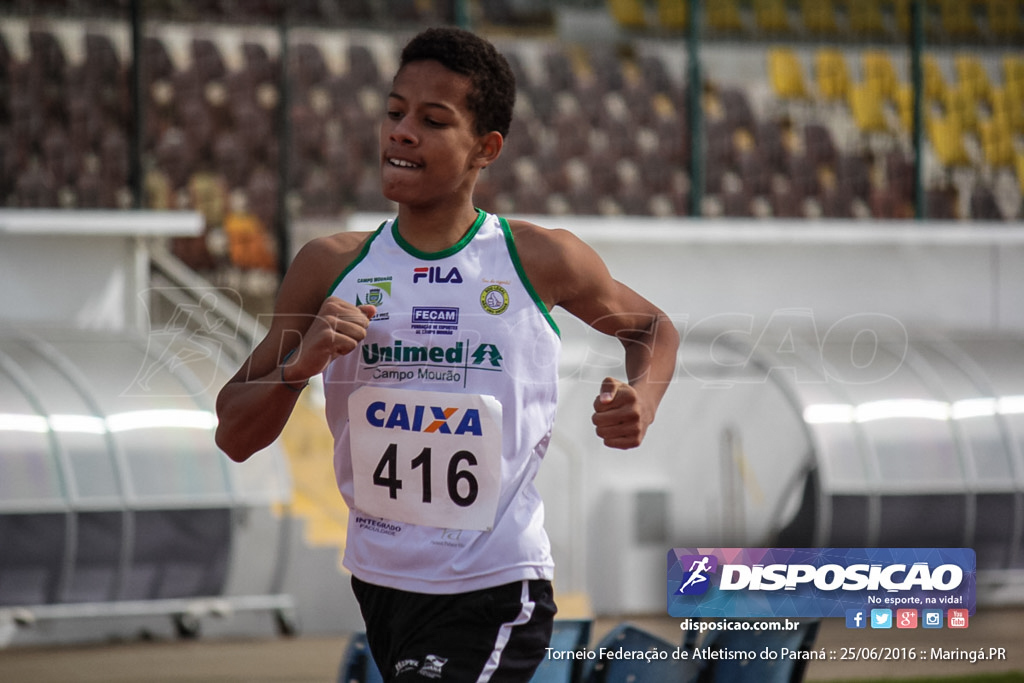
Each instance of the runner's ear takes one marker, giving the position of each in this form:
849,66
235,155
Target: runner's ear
490,148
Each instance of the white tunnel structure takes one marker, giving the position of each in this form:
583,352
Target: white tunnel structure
112,488
114,500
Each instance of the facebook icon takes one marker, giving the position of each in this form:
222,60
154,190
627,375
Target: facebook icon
856,618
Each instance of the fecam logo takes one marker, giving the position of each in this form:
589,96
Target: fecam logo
695,581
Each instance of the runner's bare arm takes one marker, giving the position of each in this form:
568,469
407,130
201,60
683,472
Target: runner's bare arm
567,272
255,404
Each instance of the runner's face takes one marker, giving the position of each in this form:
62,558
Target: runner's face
429,148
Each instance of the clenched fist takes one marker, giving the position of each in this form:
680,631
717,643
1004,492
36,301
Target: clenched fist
337,329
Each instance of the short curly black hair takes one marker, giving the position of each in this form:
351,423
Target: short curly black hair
492,94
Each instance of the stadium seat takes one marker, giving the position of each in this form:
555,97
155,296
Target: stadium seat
934,81
866,108
362,66
785,200
940,203
957,19
946,137
819,16
258,63
983,204
308,65
785,73
626,637
737,202
155,60
972,77
865,17
207,60
724,16
836,198
771,16
831,75
899,174
961,104
628,13
673,14
738,111
753,172
853,171
1013,68
996,141
46,55
905,106
819,145
357,665
759,670
1013,75
1003,18
901,16
568,635
878,72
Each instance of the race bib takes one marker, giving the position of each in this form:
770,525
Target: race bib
426,457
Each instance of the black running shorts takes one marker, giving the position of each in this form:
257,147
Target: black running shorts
497,634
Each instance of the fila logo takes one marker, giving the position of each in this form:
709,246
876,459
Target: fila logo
434,274
419,418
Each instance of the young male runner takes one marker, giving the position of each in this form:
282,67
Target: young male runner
440,362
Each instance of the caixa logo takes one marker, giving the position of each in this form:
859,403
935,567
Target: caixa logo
421,418
436,275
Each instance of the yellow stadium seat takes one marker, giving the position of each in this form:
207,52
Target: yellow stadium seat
1013,68
831,75
901,16
1010,99
1019,163
1003,18
673,14
865,17
946,137
963,106
786,74
724,16
996,141
771,16
628,13
879,73
934,81
866,108
972,77
905,106
819,16
957,19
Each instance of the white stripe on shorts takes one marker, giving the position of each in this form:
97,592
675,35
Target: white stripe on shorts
505,633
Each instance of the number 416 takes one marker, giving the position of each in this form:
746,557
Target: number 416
386,475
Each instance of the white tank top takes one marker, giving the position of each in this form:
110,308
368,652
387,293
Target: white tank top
442,416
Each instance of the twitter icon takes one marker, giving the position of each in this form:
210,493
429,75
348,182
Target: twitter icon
881,618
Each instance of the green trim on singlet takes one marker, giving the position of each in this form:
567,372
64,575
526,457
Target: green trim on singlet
362,254
435,255
514,253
